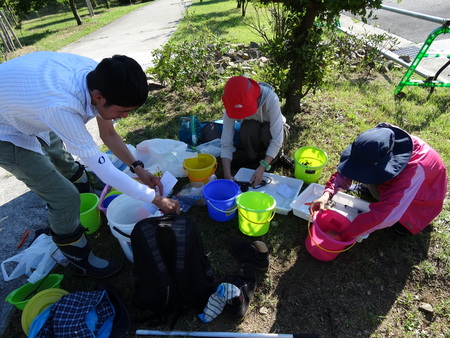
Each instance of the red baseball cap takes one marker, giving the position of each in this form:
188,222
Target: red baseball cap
240,97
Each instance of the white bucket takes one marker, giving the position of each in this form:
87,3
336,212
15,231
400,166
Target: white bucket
122,214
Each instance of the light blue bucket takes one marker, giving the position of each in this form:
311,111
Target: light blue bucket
220,196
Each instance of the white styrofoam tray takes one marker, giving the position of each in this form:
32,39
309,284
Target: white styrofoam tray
283,189
349,206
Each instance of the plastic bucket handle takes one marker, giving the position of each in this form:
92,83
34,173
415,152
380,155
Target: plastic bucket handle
199,179
121,232
227,211
102,197
330,251
271,217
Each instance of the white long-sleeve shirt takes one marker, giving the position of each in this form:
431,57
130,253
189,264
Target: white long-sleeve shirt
47,91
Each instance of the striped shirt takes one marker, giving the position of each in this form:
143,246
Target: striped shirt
47,91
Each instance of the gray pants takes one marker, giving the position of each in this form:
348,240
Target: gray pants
48,176
255,138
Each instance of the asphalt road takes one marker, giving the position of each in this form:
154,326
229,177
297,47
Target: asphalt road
411,27
413,30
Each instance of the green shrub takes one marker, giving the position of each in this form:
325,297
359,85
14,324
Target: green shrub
188,63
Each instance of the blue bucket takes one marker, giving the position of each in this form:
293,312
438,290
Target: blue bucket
220,196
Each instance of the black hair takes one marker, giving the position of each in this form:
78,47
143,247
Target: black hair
120,80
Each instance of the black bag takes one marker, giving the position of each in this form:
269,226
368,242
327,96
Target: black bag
172,272
212,130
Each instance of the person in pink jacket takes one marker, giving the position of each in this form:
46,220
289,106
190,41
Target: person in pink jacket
404,174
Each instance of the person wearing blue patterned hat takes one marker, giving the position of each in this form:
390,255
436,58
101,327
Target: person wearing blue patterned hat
404,174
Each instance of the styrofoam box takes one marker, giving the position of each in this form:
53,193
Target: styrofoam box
283,189
349,206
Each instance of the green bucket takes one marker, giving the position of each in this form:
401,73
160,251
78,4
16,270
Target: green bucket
89,213
256,210
309,163
20,297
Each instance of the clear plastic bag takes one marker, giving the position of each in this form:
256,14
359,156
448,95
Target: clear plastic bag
211,147
191,194
35,261
166,153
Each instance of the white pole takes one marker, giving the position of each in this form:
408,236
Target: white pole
212,334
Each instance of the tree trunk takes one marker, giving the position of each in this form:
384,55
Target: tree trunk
244,6
90,8
73,7
293,97
297,76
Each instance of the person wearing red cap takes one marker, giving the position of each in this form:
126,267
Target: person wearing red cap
403,173
263,126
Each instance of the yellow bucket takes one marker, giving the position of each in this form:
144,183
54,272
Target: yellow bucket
200,168
256,210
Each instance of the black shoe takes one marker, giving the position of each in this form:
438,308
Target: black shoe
83,187
245,280
256,253
400,229
76,249
287,162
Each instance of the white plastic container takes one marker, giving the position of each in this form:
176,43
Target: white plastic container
283,189
348,205
122,214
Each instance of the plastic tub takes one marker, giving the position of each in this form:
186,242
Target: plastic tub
323,241
20,296
256,210
309,163
38,303
220,196
122,214
200,168
89,213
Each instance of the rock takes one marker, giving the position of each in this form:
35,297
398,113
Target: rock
263,310
221,70
231,53
253,53
405,58
426,307
154,86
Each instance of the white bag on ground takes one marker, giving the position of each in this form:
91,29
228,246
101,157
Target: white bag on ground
35,261
211,147
168,154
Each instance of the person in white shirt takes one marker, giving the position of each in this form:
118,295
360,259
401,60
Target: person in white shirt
46,98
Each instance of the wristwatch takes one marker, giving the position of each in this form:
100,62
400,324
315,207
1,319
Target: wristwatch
265,164
135,164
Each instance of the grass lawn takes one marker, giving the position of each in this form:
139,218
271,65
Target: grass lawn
375,289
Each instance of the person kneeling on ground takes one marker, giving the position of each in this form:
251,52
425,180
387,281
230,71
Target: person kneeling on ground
404,174
46,99
263,126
